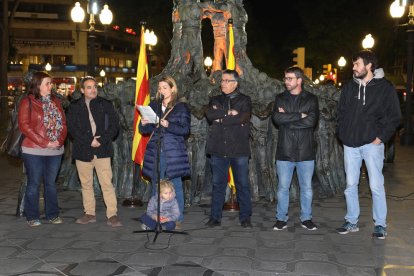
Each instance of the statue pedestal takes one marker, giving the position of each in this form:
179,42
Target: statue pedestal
132,202
232,205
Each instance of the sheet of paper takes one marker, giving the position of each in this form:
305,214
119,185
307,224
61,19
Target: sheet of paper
148,114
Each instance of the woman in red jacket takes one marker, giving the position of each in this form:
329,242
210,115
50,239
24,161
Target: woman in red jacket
43,124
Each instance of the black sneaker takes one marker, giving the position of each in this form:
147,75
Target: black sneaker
280,225
213,223
380,232
308,224
347,227
246,223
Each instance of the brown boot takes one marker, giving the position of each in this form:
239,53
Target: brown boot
86,219
114,221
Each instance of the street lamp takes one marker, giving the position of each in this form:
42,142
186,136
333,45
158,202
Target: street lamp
48,67
150,39
105,16
341,64
321,77
102,74
368,42
207,63
397,11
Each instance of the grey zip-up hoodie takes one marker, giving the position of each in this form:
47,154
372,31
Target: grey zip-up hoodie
368,111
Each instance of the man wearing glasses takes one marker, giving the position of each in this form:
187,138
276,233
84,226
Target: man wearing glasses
296,114
93,124
228,145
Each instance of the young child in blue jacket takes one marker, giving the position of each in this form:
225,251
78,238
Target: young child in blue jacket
169,210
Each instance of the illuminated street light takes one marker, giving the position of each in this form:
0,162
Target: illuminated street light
341,64
398,11
105,16
208,62
48,67
368,42
321,77
102,74
150,39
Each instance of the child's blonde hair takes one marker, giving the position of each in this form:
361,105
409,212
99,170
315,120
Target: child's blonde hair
164,183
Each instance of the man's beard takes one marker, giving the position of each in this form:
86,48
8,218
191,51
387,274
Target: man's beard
362,75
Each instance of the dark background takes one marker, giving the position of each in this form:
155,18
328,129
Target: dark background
327,29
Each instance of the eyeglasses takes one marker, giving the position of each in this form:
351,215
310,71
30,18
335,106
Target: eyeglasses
227,81
289,79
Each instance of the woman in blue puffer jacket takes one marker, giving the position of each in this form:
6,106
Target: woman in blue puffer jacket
173,130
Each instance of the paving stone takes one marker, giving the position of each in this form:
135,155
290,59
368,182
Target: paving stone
70,255
231,263
196,250
316,268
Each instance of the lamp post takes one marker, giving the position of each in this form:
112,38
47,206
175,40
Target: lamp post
48,67
397,11
102,74
341,64
208,62
105,16
368,42
150,39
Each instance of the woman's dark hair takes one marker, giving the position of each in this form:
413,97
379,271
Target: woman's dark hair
37,79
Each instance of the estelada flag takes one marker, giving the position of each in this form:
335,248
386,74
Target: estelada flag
139,142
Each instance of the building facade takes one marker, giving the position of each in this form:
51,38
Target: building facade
42,33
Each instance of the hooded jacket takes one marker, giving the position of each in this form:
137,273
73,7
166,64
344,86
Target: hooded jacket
368,111
168,208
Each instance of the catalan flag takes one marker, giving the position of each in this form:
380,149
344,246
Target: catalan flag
231,64
231,60
230,182
141,98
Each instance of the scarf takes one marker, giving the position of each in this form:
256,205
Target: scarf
52,119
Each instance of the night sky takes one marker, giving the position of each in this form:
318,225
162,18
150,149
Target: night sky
327,29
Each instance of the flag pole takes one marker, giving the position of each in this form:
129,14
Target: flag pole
139,141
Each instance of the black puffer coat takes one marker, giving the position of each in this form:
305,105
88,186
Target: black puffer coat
296,141
173,142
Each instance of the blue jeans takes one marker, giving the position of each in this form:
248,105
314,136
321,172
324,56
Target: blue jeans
304,170
220,170
177,182
373,155
151,223
37,168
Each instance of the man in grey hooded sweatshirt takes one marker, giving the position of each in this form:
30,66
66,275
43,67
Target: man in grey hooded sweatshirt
368,115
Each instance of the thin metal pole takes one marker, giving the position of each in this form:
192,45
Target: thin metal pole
407,136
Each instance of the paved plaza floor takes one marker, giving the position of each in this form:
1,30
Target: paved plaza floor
98,249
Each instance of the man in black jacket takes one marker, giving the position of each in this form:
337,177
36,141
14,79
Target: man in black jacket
368,115
93,124
228,145
296,114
